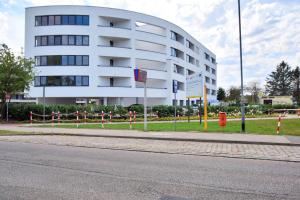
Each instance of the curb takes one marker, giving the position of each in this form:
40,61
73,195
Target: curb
156,138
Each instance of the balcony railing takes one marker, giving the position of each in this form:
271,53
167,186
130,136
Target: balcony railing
151,33
113,66
123,86
151,51
149,87
120,27
114,46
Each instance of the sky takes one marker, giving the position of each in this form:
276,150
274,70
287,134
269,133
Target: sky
270,30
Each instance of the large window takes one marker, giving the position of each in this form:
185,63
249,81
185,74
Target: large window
65,60
61,81
49,20
50,40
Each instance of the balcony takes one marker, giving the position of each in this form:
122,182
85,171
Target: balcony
115,71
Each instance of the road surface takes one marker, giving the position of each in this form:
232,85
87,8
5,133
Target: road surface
43,171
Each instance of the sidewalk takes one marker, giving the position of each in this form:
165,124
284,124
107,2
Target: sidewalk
171,136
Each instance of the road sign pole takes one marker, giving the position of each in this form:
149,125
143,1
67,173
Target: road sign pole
44,104
189,108
145,105
205,108
175,112
7,110
200,113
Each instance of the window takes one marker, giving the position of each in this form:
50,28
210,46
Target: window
85,81
111,82
61,81
44,40
173,52
43,60
51,20
51,40
111,24
213,71
43,80
85,60
78,40
38,20
68,81
197,63
78,81
53,81
44,20
61,20
37,60
64,40
207,68
57,40
54,60
71,40
65,20
213,81
57,20
37,81
72,20
111,62
213,92
38,40
71,60
79,20
207,91
207,79
85,20
207,56
78,60
213,60
111,43
64,60
173,35
85,40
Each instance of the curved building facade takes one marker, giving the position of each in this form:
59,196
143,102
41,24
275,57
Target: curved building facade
84,54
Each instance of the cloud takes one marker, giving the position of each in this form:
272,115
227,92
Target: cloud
270,29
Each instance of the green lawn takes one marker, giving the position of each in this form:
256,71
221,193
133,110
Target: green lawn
267,126
5,132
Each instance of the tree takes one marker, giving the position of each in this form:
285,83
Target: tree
254,89
296,89
221,95
234,94
16,74
279,82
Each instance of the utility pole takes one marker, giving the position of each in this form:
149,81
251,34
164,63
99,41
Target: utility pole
241,65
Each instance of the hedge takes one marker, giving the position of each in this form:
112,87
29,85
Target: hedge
18,111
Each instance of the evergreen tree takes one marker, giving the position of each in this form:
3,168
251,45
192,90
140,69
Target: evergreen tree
221,95
296,91
279,82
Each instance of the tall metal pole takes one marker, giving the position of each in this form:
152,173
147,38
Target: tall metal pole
44,104
241,65
7,110
200,113
189,108
175,112
145,105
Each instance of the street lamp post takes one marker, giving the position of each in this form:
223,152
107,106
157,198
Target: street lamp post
241,65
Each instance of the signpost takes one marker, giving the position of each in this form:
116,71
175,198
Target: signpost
175,88
194,87
141,76
7,97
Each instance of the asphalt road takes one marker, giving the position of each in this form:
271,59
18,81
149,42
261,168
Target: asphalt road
37,171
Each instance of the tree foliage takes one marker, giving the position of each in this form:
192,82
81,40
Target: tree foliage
279,82
234,94
221,95
254,89
296,85
16,74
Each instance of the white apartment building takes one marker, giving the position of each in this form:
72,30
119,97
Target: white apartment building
86,53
